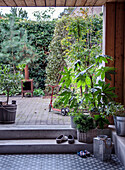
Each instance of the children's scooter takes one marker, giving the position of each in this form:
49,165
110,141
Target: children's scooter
63,111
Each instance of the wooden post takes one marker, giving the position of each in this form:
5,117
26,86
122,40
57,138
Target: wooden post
110,37
124,63
119,58
114,45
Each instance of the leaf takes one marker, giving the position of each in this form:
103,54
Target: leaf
108,76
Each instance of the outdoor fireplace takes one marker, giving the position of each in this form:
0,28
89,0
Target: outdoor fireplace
27,84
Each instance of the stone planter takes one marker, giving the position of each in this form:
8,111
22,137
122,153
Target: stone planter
8,113
88,136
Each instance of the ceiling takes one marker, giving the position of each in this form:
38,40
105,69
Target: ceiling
55,3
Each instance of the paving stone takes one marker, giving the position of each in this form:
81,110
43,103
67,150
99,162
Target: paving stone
34,111
56,162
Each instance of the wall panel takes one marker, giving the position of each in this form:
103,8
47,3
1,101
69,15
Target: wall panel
114,47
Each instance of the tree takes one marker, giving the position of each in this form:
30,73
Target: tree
55,59
1,14
85,56
75,38
19,12
16,48
66,12
44,15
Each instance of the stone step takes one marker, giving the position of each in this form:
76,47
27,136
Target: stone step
35,131
119,146
41,146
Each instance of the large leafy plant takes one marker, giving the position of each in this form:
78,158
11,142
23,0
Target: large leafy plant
80,81
101,121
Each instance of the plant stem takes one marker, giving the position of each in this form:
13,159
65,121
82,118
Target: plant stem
7,96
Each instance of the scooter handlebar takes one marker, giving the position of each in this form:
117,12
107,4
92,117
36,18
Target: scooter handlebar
53,86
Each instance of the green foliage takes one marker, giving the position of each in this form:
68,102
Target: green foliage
101,120
37,36
55,59
58,103
116,109
80,81
44,15
66,12
84,38
19,12
16,48
13,92
9,80
38,92
100,96
84,122
43,33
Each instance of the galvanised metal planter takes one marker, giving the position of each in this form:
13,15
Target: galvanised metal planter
102,147
120,125
73,125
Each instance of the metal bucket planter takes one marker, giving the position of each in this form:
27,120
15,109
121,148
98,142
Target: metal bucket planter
120,125
102,147
73,125
8,113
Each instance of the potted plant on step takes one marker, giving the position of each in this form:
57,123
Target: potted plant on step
119,119
9,80
85,128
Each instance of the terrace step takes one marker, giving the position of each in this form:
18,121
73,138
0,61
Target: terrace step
119,146
41,146
35,131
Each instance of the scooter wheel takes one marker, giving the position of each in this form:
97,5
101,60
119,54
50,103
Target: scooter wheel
66,110
50,108
63,112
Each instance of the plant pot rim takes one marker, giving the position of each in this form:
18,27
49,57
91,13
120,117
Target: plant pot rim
87,131
8,105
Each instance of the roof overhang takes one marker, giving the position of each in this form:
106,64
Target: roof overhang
54,3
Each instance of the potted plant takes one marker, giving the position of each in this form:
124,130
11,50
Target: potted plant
85,128
9,80
101,121
119,119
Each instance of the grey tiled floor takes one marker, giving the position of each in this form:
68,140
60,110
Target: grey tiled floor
56,162
34,111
